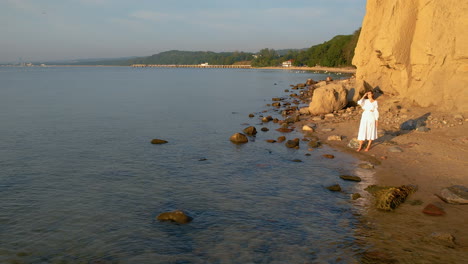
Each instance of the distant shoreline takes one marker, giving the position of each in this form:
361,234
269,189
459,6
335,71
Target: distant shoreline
318,68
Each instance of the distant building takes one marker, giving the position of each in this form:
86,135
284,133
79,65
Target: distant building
287,63
204,64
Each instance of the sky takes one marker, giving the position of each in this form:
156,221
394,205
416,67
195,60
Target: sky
45,30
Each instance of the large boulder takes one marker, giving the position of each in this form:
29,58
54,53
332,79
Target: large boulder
329,98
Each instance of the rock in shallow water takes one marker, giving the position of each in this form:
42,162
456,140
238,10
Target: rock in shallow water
239,138
350,178
158,141
177,216
334,188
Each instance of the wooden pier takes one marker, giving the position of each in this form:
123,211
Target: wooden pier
191,66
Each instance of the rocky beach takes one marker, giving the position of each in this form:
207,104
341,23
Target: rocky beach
417,146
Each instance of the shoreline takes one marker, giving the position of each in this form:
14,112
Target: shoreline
431,160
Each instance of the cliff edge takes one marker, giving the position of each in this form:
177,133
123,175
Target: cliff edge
417,50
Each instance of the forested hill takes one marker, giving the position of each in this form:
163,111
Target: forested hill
195,57
337,52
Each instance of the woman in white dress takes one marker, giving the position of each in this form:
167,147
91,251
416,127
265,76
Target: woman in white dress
369,120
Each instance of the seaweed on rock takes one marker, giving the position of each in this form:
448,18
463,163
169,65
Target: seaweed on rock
389,198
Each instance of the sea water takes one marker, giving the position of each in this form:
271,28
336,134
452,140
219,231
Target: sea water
80,181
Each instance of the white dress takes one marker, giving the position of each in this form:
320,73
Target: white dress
368,128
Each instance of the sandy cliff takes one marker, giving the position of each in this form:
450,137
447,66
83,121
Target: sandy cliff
416,49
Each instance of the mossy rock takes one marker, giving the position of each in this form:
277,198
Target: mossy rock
389,198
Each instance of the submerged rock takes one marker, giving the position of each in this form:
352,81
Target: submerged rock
292,143
334,188
177,216
281,139
328,156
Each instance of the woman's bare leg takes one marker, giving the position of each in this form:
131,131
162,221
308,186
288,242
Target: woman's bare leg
368,145
360,145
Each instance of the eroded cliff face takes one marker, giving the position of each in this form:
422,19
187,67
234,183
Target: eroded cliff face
417,49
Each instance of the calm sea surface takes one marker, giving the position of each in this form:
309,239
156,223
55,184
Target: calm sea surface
81,183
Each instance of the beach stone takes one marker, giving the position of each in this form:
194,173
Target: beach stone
270,140
353,143
264,129
310,82
281,139
251,131
443,237
334,138
328,156
267,119
356,196
158,141
395,149
422,129
456,194
327,129
307,128
366,166
334,188
292,143
239,138
276,99
308,154
313,144
304,111
350,178
277,104
251,115
329,115
177,216
431,209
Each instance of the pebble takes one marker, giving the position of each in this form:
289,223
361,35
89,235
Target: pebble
431,209
334,138
327,129
328,156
